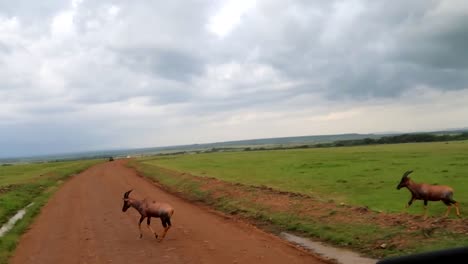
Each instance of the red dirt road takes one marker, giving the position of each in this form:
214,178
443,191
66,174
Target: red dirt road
83,223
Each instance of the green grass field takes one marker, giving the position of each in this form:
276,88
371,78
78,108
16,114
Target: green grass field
23,184
363,176
359,176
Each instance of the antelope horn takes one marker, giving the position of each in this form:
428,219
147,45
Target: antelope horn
407,173
127,193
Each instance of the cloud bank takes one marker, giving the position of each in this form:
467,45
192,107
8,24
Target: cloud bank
88,75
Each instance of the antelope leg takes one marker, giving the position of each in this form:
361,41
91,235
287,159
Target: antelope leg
425,209
139,225
409,204
165,231
449,207
148,224
458,210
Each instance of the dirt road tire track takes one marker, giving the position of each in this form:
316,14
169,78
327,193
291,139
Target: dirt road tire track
83,223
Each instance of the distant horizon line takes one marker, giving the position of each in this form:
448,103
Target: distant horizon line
106,151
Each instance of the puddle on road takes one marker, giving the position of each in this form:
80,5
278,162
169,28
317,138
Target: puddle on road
9,225
343,256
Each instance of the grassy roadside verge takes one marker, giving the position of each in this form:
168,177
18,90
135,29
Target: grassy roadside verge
362,176
23,184
372,233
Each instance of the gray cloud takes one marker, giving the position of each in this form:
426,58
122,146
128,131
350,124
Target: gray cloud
168,64
441,48
379,49
31,10
150,66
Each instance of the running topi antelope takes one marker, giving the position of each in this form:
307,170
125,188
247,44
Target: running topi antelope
149,209
428,192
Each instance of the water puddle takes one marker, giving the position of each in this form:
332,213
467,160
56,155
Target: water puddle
9,225
342,256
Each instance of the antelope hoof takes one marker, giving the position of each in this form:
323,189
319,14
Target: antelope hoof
141,235
156,235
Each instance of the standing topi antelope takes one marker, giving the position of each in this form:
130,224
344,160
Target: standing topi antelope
149,209
428,192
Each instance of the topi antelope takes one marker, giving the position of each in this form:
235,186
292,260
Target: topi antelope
149,209
428,192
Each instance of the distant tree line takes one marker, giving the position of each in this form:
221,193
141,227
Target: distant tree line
404,138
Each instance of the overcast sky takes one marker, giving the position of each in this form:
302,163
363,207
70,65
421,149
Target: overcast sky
89,75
